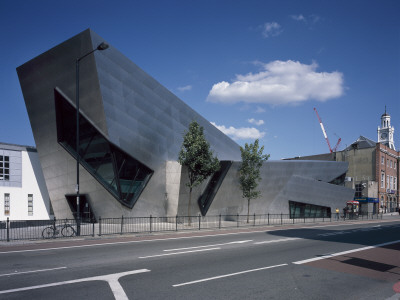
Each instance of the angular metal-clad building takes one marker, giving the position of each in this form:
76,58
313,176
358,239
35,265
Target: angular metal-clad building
130,134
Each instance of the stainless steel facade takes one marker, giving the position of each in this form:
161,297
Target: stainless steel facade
142,118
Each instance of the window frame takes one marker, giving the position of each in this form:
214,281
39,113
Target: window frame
7,200
30,204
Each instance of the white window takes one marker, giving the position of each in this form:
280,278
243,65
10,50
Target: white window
382,180
387,182
391,164
387,163
382,160
30,204
395,184
395,163
6,204
391,182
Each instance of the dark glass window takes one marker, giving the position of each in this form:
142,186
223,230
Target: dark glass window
122,175
4,167
339,180
305,210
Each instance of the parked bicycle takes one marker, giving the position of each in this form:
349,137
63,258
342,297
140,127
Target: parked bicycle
52,231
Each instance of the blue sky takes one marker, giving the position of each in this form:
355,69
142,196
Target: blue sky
255,69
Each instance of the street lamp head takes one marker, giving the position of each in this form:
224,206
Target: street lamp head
102,46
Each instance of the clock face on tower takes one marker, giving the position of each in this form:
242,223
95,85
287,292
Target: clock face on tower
383,135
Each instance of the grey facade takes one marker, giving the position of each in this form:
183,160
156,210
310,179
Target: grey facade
129,119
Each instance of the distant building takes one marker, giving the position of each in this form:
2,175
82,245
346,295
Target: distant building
23,193
373,169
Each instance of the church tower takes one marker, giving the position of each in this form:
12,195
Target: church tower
386,131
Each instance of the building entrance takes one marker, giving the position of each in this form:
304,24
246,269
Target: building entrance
85,209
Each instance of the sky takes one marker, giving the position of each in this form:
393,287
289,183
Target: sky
254,69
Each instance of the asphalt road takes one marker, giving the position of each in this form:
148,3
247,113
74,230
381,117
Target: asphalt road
326,261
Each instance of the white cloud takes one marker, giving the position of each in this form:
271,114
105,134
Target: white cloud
280,83
271,29
240,133
255,122
310,19
260,110
298,17
315,18
184,88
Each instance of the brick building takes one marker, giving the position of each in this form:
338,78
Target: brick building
373,170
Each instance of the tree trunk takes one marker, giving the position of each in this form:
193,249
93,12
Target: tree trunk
248,210
189,205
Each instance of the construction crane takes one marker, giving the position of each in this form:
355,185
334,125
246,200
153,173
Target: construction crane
325,135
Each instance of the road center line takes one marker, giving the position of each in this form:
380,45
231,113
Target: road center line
300,262
277,241
34,271
183,252
207,246
227,275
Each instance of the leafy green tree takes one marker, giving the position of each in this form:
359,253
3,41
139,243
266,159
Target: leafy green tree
196,155
249,171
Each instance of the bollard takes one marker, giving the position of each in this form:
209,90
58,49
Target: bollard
8,229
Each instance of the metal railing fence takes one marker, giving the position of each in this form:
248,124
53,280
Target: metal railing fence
11,230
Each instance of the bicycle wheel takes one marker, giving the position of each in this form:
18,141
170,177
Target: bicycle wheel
48,232
68,230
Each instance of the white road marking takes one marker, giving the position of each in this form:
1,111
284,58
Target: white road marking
300,262
277,241
111,279
207,246
227,275
351,231
183,252
34,271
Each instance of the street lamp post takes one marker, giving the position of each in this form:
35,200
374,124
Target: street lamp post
102,46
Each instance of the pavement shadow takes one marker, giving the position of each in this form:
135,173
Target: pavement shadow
358,234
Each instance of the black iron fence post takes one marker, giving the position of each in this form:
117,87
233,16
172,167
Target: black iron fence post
92,227
99,226
8,229
268,218
122,224
199,221
237,220
219,222
254,224
151,229
176,223
281,219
